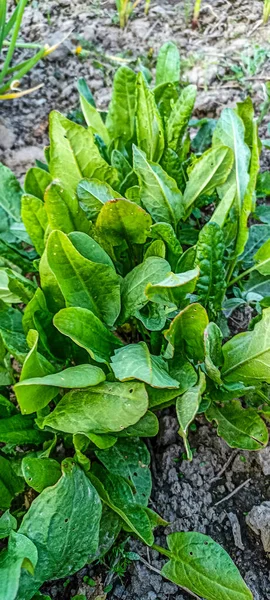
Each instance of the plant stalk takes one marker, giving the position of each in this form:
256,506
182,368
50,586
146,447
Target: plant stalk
161,550
15,34
242,275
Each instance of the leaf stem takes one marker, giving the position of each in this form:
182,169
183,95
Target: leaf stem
253,268
12,46
162,550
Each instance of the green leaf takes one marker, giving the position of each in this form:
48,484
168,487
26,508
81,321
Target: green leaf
32,396
10,483
200,565
230,132
153,270
110,526
168,64
135,362
220,214
105,408
35,220
187,407
211,284
94,119
19,430
94,193
258,234
209,172
86,330
159,193
120,120
160,397
40,473
186,332
10,193
74,154
262,259
82,282
117,493
245,111
63,210
153,316
63,523
247,355
121,220
36,181
165,232
7,524
173,290
54,297
11,331
213,352
89,248
179,118
239,427
130,459
14,287
149,125
20,554
156,248
147,426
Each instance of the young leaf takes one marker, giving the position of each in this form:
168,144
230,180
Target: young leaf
36,181
63,523
239,427
165,232
186,332
173,290
94,193
35,220
89,248
130,459
168,64
159,193
211,284
178,120
187,407
53,295
121,220
40,473
63,210
156,248
10,193
120,120
82,282
94,120
200,565
247,355
74,154
133,296
7,524
20,554
220,214
135,362
32,396
149,125
109,407
86,330
209,172
213,352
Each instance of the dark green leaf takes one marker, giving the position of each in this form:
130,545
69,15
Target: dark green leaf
209,258
20,554
10,483
239,427
40,473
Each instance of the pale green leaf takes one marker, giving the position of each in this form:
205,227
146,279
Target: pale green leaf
94,119
10,193
187,407
120,120
239,427
121,220
36,181
168,64
94,193
35,220
178,120
173,290
40,473
63,210
149,126
135,362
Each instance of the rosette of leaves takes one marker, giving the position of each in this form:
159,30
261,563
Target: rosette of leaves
118,309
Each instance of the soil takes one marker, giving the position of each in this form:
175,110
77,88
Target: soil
227,56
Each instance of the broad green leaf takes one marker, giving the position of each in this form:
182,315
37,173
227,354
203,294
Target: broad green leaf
168,64
186,332
74,154
159,193
166,94
171,164
149,126
14,287
19,430
119,161
94,119
120,120
187,407
152,270
258,234
94,193
173,290
63,523
230,132
7,524
160,397
109,407
63,210
110,526
36,181
186,261
165,232
247,355
147,426
153,316
121,220
89,248
135,362
37,303
245,111
82,282
36,392
239,427
262,259
86,330
156,248
40,473
10,193
130,459
209,258
258,284
209,172
213,352
35,220
53,295
118,494
5,294
200,565
220,214
20,554
178,120
11,331
10,483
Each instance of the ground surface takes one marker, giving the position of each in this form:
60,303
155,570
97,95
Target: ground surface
227,57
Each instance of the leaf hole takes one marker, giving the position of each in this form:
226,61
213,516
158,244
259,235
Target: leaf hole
206,543
191,553
130,391
135,474
66,520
